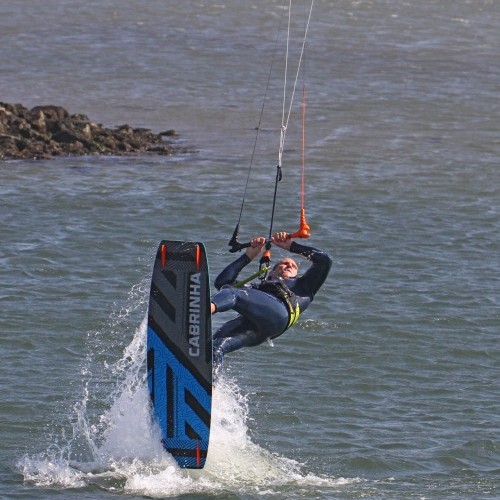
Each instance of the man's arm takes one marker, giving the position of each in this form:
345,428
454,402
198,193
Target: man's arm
229,274
315,276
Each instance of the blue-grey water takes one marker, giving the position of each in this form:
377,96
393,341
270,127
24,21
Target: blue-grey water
388,387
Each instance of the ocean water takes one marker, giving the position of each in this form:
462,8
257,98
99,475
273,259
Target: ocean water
388,387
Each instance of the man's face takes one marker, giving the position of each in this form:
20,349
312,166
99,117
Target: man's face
286,268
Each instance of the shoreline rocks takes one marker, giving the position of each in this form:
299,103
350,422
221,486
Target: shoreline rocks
45,132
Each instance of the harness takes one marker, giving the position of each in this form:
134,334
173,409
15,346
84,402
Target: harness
283,293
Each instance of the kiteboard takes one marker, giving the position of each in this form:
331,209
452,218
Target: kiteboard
179,350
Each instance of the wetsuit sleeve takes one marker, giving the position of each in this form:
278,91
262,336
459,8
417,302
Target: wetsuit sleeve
230,273
315,276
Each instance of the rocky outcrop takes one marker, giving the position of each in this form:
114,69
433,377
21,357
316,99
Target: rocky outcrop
49,131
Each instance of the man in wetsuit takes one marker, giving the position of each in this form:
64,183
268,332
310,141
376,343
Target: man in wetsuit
269,309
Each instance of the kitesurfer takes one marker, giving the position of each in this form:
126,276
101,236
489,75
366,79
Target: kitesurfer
268,309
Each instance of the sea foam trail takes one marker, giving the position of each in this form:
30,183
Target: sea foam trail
119,449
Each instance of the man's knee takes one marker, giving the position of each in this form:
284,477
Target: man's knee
223,300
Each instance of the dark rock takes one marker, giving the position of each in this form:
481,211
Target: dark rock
169,133
47,131
66,136
7,143
125,129
51,112
80,117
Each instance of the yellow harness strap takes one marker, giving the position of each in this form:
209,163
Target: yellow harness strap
294,315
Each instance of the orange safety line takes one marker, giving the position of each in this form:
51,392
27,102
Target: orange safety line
302,197
303,231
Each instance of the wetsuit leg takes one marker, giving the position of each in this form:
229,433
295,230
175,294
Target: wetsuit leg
267,313
234,335
262,316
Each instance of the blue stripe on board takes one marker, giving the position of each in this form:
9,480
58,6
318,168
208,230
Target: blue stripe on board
192,414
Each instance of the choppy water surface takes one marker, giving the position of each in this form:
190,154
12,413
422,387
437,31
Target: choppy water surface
388,386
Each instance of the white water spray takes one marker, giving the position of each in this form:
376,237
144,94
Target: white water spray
119,447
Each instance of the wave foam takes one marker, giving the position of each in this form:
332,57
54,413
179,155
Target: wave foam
119,449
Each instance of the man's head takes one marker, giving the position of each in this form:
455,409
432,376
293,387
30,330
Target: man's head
286,268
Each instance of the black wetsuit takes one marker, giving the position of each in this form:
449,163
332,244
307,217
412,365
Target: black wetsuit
262,315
